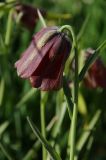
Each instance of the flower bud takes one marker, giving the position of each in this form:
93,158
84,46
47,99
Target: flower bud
96,75
29,15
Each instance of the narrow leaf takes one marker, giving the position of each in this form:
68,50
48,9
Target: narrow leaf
83,28
37,144
87,133
2,85
26,97
82,105
60,117
41,18
50,150
3,127
68,95
5,152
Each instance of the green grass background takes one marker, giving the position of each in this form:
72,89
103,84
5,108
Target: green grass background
18,99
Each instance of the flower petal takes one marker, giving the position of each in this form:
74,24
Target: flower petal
46,84
31,59
42,37
38,35
50,78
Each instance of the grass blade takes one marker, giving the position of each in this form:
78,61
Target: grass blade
26,97
87,133
5,152
41,18
3,127
2,86
50,150
68,96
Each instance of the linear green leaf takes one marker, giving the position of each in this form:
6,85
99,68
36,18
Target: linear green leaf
50,150
26,97
68,96
87,133
2,86
3,127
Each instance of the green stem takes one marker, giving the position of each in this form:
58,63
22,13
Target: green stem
76,86
69,28
75,109
43,126
9,28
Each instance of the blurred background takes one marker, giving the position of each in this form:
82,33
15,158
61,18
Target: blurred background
18,23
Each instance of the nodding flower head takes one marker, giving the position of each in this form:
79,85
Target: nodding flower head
44,60
28,15
96,75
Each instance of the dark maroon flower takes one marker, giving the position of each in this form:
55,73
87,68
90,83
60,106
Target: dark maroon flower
43,62
96,75
29,15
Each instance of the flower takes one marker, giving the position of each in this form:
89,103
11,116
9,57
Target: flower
96,75
44,60
28,15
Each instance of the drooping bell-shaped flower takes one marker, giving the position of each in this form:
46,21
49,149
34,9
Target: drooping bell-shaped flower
28,15
44,60
96,75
